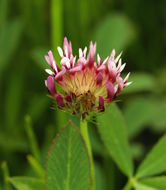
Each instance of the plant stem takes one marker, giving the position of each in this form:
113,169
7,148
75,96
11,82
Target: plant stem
57,32
84,132
56,7
129,184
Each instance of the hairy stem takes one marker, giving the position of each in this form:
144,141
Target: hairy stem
84,132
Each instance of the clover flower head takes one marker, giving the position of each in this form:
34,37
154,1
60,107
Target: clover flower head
84,84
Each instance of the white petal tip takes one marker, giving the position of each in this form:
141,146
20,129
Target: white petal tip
80,52
45,82
122,67
105,60
98,58
60,51
49,71
127,76
128,83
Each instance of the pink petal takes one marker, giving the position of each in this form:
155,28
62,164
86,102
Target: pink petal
59,100
67,48
65,43
52,62
101,67
101,103
81,60
70,49
68,99
99,78
112,54
110,90
61,73
76,69
51,85
47,59
83,115
91,55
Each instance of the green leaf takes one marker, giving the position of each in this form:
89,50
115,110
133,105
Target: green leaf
68,163
158,120
111,127
139,186
27,183
151,112
155,161
109,33
142,107
156,182
141,82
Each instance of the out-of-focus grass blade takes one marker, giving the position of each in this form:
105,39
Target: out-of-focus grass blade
5,171
14,96
9,40
27,183
38,106
37,55
32,138
11,143
4,4
115,31
36,166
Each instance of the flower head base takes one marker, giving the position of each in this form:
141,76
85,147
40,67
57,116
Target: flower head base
85,85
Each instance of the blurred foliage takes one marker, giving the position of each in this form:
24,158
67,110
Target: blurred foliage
28,29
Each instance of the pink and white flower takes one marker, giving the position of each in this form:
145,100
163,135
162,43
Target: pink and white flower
86,85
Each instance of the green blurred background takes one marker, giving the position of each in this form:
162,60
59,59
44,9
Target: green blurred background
29,28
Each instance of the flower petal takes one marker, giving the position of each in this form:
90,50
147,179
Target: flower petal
110,90
50,85
61,73
59,100
99,78
101,103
